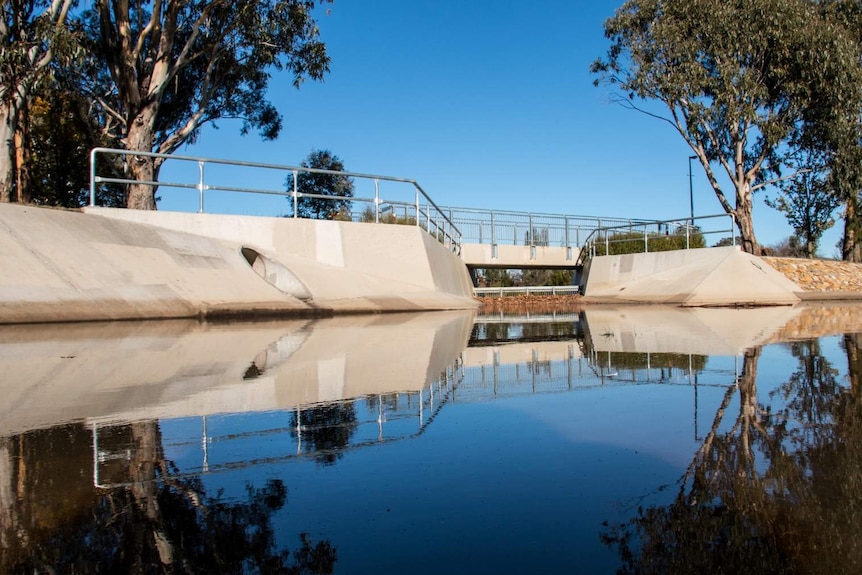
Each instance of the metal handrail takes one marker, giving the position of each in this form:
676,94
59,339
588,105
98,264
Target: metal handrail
686,224
506,227
527,290
427,213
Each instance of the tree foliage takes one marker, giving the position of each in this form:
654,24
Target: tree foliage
32,33
62,134
161,70
807,200
319,188
640,242
832,125
736,79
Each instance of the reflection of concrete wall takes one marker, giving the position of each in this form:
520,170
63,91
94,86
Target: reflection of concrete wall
701,331
60,373
510,353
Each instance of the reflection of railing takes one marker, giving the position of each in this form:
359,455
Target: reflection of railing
420,210
225,441
540,317
527,290
574,372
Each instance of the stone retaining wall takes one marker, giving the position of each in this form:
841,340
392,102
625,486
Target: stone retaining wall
820,275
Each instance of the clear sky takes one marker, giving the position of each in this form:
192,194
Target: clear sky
487,104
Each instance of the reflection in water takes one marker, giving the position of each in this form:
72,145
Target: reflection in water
180,447
775,491
155,523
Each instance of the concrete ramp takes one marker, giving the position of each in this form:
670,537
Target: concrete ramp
722,276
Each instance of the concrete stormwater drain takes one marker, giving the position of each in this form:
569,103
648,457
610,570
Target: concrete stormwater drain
276,274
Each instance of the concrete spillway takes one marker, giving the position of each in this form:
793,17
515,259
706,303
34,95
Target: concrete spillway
106,263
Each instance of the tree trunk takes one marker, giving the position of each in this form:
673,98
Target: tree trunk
145,468
853,347
7,153
851,251
22,159
140,137
745,223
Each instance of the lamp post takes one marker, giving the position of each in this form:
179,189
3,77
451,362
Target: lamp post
691,189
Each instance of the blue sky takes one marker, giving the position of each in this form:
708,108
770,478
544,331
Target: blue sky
487,104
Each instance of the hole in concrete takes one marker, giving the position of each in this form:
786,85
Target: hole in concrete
275,273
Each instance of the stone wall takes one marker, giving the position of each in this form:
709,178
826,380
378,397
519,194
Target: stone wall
820,275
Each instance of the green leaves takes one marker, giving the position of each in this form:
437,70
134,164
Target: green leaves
739,79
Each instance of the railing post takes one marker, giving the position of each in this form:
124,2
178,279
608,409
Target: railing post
493,237
201,165
568,243
376,201
732,235
93,177
295,199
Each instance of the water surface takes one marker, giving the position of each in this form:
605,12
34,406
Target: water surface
633,439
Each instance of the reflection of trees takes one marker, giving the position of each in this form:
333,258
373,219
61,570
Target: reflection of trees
155,522
325,430
778,491
496,332
629,360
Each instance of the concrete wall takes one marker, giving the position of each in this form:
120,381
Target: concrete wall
121,264
338,265
482,256
699,277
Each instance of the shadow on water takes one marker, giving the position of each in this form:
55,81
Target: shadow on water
111,436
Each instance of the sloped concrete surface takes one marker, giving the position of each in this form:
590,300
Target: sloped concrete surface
701,277
342,266
63,265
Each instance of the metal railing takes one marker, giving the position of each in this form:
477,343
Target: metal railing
417,209
503,227
644,237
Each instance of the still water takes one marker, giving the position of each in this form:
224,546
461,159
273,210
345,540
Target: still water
635,439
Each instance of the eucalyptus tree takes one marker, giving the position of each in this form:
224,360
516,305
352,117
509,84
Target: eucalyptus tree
735,79
164,69
324,195
834,125
807,200
31,32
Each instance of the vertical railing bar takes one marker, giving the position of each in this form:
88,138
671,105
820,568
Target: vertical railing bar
376,201
201,165
295,198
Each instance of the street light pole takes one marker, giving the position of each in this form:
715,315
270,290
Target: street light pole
691,189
